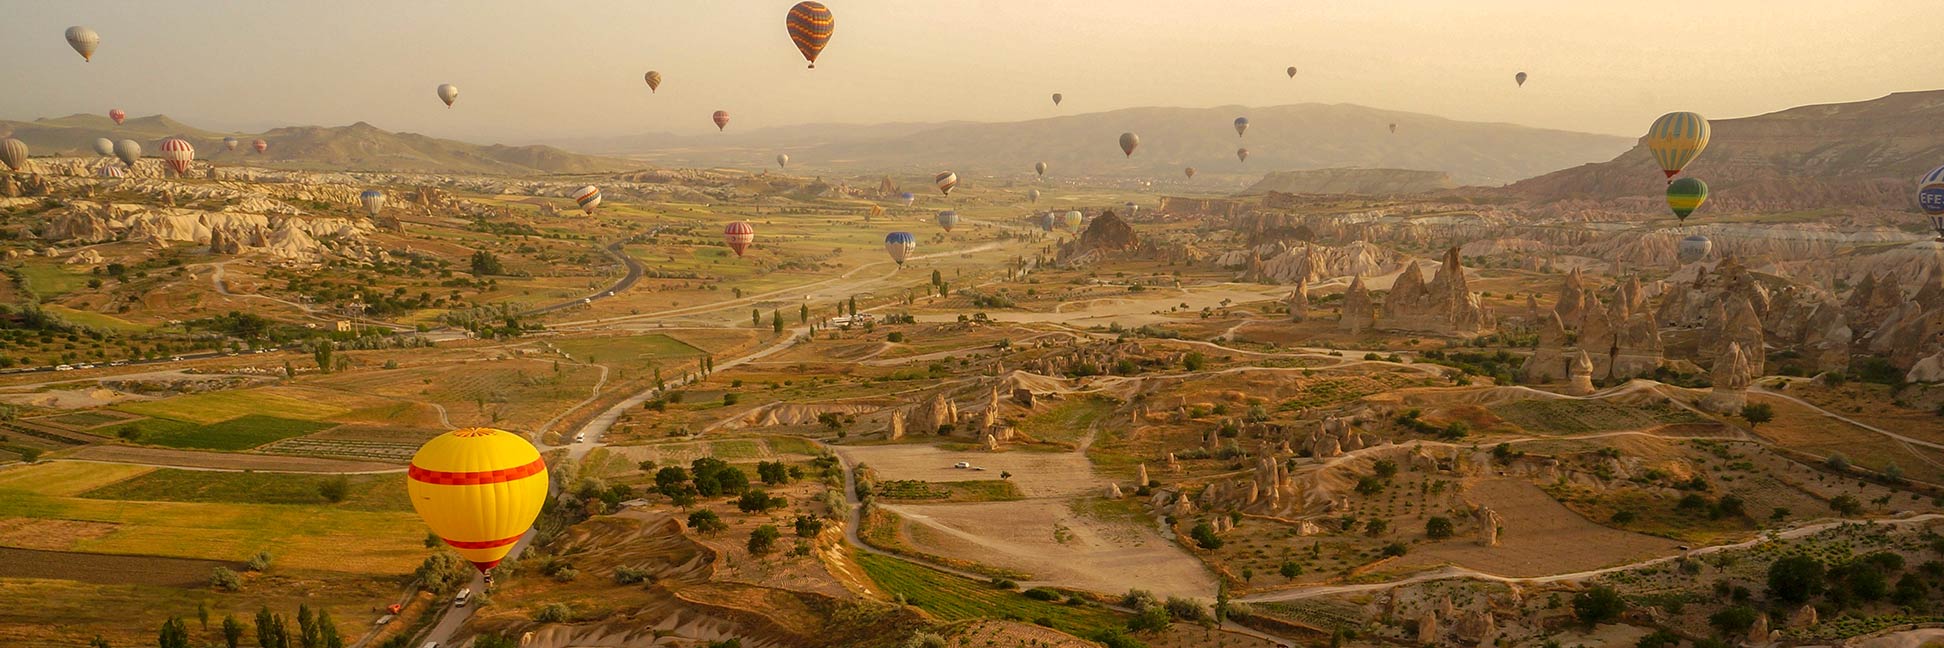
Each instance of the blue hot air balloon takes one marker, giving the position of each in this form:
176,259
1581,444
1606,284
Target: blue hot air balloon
1241,124
899,245
908,198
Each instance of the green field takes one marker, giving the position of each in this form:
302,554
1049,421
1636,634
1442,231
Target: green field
366,492
51,280
1067,422
95,320
241,433
793,445
219,406
987,490
953,598
628,351
1562,416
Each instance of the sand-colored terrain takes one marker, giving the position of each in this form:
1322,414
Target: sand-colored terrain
1540,537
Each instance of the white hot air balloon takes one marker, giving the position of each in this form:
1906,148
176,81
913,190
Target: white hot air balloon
84,41
104,147
448,93
782,160
129,151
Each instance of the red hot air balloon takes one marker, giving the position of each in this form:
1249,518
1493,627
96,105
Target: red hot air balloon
721,120
810,25
117,115
177,154
739,235
260,146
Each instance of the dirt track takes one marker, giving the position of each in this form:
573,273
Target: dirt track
107,569
226,461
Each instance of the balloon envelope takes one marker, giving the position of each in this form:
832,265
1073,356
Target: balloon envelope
909,198
13,153
1047,220
231,143
1930,191
479,489
948,219
810,25
1190,172
1057,98
588,198
1686,195
1073,219
104,147
1241,125
721,118
1676,139
1694,248
260,145
1033,195
900,245
373,201
945,182
1291,71
448,93
128,151
1129,142
782,160
1242,154
1520,77
84,41
738,235
177,154
117,115
1039,168
112,171
654,80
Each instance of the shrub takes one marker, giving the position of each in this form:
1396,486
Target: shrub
1438,528
260,561
630,575
1794,579
553,613
763,539
1733,621
1042,594
335,489
1204,535
1598,605
223,579
1184,609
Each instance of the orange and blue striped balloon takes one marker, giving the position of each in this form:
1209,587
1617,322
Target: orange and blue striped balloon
810,25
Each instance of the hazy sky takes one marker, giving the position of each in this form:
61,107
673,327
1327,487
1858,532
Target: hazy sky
530,69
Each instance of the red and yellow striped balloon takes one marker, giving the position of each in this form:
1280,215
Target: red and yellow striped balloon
810,25
479,489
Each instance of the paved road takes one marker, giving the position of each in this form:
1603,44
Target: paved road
628,281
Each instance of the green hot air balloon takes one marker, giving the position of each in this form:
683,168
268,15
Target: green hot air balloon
1686,195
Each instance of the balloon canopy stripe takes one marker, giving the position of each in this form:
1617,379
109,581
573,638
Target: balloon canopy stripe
443,478
481,544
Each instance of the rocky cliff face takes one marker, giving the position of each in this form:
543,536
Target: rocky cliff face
1378,182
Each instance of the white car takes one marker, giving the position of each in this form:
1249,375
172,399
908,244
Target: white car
962,465
580,438
64,368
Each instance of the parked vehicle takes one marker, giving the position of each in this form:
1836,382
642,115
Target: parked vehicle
459,600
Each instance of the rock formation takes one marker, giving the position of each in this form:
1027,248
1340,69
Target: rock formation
1636,345
1358,313
1731,378
1428,631
1579,377
1299,301
1141,473
1445,305
1548,361
1572,296
897,425
1596,336
1489,525
1114,491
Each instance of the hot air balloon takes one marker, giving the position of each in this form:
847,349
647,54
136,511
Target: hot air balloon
1128,142
875,212
810,25
1039,168
1241,124
479,489
1520,77
1694,248
117,115
1074,219
588,198
654,80
945,181
911,197
448,93
782,160
1242,155
13,153
1930,198
738,235
231,143
948,219
128,151
1686,195
260,145
373,200
1132,208
1190,172
1033,195
1047,221
104,147
721,120
177,154
84,41
1676,139
899,245
1291,71
111,171
1393,128
1057,98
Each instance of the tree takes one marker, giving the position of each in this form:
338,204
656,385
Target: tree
763,539
335,489
1794,579
755,317
937,279
1757,413
202,614
322,354
853,305
1733,621
1290,569
308,634
1194,361
232,631
1438,528
174,634
803,314
755,500
706,522
1204,535
444,572
484,263
1845,505
266,628
490,640
776,322
1598,605
808,526
773,472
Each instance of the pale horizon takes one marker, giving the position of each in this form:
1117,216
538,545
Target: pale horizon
534,73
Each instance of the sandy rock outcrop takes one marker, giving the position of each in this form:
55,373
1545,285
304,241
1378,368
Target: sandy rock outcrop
1299,301
1548,361
1358,312
1445,305
1579,376
1731,377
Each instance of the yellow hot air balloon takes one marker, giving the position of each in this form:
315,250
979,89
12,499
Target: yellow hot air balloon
479,489
1676,139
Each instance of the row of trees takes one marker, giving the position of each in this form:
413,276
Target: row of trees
313,630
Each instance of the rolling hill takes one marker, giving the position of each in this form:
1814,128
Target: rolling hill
1859,154
1281,138
357,147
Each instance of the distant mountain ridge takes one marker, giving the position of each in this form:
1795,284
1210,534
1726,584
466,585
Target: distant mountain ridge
1280,138
1856,154
1352,181
357,147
